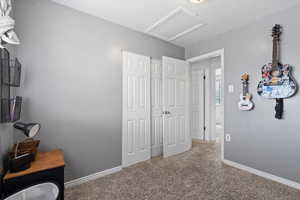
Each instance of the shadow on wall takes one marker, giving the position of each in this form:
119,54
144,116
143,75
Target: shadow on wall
6,137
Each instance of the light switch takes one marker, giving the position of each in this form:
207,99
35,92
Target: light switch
230,88
228,138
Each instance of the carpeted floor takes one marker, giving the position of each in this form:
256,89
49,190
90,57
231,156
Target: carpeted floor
197,174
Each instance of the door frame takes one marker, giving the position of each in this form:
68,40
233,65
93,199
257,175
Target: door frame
212,54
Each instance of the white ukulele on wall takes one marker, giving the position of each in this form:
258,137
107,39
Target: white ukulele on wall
245,103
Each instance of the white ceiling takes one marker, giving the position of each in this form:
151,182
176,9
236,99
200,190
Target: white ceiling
218,16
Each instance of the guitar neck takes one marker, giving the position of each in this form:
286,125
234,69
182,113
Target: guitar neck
275,59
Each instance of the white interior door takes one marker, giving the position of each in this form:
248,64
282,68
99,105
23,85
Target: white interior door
176,123
136,109
156,108
197,107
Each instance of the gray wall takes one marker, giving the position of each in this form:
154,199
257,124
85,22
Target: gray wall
258,139
72,81
6,139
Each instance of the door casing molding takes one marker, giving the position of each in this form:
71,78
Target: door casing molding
221,53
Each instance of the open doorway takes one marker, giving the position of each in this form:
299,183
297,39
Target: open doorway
219,115
207,98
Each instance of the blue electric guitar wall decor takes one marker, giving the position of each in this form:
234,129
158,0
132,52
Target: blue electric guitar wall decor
277,81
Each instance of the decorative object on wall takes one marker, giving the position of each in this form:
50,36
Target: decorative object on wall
277,81
245,103
15,111
10,75
4,86
7,24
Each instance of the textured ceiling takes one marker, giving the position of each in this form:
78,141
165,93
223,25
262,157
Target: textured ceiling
219,16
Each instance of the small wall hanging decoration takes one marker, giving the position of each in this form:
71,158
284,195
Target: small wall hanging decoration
245,103
277,81
7,24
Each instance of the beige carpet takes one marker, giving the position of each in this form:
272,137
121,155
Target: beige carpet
197,174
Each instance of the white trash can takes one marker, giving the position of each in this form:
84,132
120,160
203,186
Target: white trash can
44,191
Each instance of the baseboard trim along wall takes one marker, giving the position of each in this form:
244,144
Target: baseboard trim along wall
227,162
194,139
92,177
263,174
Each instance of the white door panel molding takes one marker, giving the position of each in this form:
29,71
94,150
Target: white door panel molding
136,109
176,106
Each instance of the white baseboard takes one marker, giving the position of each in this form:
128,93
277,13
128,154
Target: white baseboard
92,177
156,151
194,139
203,141
264,174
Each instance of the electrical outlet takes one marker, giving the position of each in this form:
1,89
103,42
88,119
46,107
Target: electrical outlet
228,138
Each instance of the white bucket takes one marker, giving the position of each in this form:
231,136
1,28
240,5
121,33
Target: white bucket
44,191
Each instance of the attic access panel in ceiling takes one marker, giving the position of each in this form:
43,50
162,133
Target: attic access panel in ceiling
176,24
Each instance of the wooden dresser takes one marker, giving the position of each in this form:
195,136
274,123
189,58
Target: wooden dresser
48,167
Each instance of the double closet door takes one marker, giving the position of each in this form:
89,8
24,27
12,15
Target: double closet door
155,117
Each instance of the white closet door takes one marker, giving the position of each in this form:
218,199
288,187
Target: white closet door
176,123
197,107
156,112
136,109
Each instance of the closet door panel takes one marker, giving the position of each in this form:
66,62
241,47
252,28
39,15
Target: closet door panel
136,109
156,108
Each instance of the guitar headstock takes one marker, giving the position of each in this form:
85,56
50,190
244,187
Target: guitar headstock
245,77
276,31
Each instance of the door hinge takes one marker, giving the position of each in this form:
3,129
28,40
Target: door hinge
204,128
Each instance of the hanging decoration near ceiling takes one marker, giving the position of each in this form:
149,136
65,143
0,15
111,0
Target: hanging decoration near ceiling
7,24
245,103
277,81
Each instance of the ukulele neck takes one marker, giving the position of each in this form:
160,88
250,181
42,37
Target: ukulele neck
245,88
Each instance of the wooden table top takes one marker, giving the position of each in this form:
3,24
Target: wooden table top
44,161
